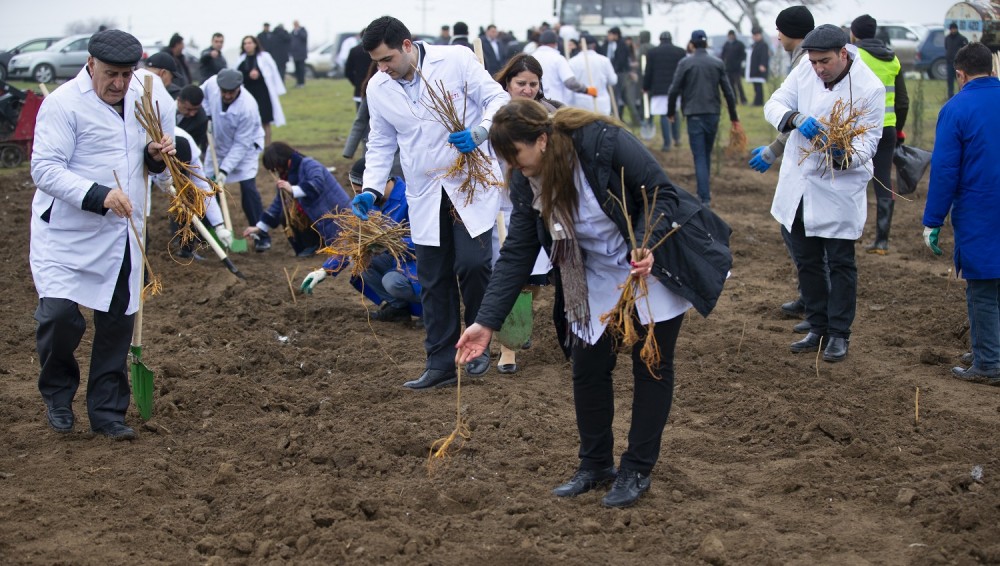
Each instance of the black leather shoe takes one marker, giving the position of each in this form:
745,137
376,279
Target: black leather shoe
977,375
60,419
836,349
808,344
967,358
628,486
433,378
479,365
308,252
389,313
802,327
116,431
262,245
794,308
584,481
507,368
187,253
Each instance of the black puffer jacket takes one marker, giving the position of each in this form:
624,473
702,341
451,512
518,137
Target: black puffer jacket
692,263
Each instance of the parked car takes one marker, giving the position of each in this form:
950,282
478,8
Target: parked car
29,46
930,55
904,39
319,61
61,60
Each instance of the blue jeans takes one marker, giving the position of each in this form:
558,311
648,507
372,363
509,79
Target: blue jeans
983,297
388,283
670,131
701,135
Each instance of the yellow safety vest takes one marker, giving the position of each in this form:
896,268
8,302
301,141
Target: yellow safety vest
886,72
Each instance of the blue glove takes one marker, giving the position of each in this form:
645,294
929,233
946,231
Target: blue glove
362,204
807,125
761,158
468,140
837,153
931,236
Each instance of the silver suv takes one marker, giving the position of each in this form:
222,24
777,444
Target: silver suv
62,60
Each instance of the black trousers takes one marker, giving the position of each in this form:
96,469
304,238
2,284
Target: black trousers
300,71
882,163
460,265
736,81
594,397
830,307
60,329
758,94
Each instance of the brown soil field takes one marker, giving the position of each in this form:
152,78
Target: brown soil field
282,432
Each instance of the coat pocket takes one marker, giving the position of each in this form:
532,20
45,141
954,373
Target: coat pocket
63,216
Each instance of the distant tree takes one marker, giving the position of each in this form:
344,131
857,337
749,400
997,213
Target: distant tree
90,26
736,12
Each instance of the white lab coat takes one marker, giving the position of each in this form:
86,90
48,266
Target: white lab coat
602,75
79,141
239,136
834,203
275,85
424,151
213,212
555,72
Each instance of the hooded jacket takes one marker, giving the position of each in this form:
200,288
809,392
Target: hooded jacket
881,59
693,263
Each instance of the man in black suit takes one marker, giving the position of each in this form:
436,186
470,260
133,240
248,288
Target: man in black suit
661,63
493,50
616,49
734,55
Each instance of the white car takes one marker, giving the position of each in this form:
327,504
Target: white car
62,60
319,61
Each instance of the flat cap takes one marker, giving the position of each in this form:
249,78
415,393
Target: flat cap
115,47
826,37
548,37
229,79
699,35
161,60
795,22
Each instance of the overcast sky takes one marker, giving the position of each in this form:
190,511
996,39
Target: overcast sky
21,20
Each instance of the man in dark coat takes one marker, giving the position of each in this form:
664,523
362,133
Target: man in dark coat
494,55
661,63
212,61
461,36
280,41
618,51
191,116
734,55
176,50
760,57
356,70
298,50
952,43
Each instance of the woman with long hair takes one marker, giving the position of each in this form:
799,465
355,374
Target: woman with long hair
261,79
571,172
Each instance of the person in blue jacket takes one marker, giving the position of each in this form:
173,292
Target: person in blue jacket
965,179
315,192
386,282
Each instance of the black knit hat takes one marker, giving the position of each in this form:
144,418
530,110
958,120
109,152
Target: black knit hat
795,22
863,27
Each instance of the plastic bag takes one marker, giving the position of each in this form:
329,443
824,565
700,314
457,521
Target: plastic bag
911,164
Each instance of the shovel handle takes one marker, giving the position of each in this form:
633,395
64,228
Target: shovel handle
223,201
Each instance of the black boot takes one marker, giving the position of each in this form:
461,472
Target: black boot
883,221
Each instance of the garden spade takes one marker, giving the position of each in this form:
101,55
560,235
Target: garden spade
142,376
647,130
239,245
516,329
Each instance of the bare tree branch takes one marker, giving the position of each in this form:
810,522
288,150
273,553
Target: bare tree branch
736,12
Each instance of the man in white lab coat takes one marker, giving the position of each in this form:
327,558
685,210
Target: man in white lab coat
86,132
239,138
558,81
820,200
597,70
452,235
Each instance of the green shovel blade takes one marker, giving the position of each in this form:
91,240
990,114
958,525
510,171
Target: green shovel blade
239,245
516,329
142,383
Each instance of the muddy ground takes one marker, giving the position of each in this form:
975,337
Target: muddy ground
282,434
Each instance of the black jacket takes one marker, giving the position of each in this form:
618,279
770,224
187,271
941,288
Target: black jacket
759,56
661,64
298,47
692,263
734,53
952,43
621,60
491,60
210,65
356,67
280,42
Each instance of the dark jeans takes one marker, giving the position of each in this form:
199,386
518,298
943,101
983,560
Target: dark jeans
830,306
983,298
459,266
389,284
594,398
282,69
300,71
702,129
253,207
882,163
60,329
758,94
735,80
950,66
670,131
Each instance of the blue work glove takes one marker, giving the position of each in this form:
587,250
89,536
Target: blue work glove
931,236
468,140
362,205
761,158
807,125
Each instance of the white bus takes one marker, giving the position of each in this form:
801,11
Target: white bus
597,16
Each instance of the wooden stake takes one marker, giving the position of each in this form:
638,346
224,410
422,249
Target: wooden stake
738,348
291,288
916,407
818,352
